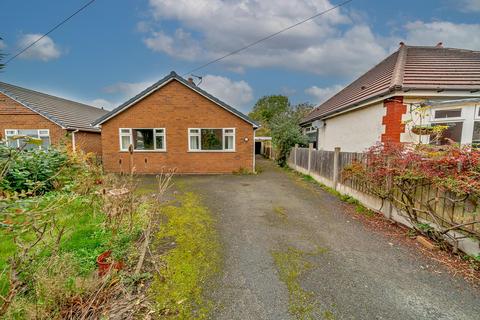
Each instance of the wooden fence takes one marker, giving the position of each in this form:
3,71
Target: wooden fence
327,166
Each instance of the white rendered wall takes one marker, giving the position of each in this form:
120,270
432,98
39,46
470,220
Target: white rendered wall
353,131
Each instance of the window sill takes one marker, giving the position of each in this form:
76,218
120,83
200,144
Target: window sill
211,151
142,151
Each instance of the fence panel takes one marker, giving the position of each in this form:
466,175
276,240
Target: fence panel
449,211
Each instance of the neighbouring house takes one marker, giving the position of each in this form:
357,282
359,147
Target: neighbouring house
401,99
176,124
52,119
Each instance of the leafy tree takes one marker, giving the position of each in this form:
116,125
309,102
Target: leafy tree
303,109
266,108
286,133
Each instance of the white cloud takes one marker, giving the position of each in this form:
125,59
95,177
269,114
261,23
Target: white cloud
320,46
102,103
44,50
238,94
461,35
468,5
323,94
128,89
181,44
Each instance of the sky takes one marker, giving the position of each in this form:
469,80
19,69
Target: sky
116,48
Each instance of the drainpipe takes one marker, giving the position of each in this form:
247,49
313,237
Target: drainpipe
74,146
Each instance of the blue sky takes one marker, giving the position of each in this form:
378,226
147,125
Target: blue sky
114,49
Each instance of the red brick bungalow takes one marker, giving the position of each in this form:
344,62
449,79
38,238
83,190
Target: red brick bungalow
413,87
176,124
52,119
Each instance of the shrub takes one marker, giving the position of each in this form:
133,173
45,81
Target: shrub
31,171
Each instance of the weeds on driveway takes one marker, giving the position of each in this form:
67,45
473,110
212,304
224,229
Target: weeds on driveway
292,264
189,252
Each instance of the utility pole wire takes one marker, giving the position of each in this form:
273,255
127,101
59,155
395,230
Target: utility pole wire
50,31
268,37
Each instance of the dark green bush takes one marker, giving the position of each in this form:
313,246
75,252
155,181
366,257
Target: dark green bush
33,171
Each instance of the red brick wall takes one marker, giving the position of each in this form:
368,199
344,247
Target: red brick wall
393,119
177,108
15,116
88,142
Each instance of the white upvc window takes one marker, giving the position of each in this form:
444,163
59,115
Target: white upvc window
42,134
476,128
211,139
143,139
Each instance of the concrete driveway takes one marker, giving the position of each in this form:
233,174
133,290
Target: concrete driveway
352,273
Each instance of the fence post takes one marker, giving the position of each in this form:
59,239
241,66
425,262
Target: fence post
295,156
271,150
310,148
336,158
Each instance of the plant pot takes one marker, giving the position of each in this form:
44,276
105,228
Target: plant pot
423,130
105,264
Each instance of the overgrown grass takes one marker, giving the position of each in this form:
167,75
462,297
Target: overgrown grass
84,238
188,266
291,264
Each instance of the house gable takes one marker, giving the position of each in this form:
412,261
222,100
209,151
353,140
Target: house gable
175,108
158,86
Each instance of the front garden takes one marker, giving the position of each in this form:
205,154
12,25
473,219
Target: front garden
80,244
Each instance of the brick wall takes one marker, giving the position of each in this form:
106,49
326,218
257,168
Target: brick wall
177,108
392,120
15,116
89,142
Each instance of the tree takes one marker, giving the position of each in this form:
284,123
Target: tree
303,109
286,132
266,108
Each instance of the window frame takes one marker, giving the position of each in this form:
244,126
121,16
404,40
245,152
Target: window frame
199,135
39,136
448,119
130,135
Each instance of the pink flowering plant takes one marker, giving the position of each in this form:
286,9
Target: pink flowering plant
418,179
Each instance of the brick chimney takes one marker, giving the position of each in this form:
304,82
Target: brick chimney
439,45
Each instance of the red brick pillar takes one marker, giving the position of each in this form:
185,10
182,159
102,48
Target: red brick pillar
392,119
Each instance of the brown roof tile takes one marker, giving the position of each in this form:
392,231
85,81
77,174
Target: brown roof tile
66,113
409,68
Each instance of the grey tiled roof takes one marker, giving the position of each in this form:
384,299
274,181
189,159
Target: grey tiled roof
66,113
409,68
166,79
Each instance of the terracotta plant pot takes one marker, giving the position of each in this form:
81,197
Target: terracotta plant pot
105,264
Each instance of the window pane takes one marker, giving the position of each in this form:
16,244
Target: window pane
12,143
230,131
228,142
450,113
159,142
125,142
194,145
476,133
45,142
453,133
143,139
211,139
125,130
193,130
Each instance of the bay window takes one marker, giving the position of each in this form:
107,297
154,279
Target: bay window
41,134
143,139
211,139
